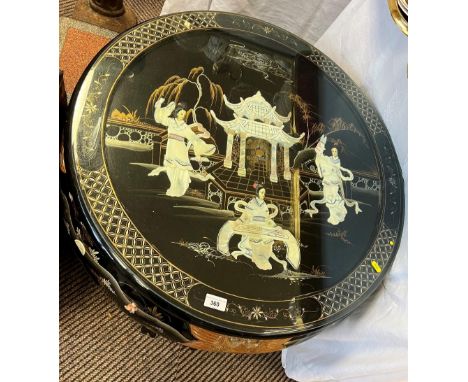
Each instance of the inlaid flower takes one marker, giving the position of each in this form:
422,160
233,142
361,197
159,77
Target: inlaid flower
131,307
256,312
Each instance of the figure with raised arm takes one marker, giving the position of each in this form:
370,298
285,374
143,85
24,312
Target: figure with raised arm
332,174
180,138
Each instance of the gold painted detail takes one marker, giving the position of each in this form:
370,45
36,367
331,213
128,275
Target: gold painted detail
293,313
130,116
345,83
90,118
340,235
295,201
135,41
342,295
265,64
175,86
271,31
131,245
211,341
125,136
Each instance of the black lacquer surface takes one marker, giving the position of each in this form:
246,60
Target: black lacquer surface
216,155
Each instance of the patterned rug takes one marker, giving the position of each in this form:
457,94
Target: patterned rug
98,342
144,9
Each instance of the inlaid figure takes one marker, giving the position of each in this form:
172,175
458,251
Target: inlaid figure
330,170
258,232
180,138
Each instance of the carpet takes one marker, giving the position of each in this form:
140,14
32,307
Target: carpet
98,342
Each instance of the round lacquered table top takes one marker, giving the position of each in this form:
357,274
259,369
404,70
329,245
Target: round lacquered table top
233,173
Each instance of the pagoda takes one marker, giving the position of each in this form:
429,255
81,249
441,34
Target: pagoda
255,117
